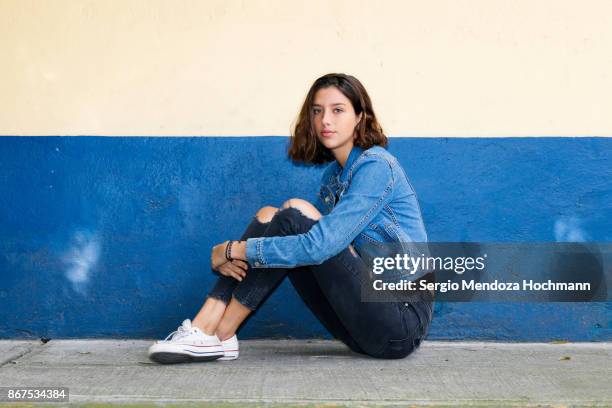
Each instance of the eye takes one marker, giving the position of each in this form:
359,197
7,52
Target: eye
338,110
316,110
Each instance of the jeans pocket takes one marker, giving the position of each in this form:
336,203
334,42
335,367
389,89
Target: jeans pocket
408,337
413,320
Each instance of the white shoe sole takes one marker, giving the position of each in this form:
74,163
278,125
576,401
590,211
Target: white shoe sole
169,353
230,355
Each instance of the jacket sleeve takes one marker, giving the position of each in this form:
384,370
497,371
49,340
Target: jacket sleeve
369,191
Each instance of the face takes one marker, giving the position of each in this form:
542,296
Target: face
334,119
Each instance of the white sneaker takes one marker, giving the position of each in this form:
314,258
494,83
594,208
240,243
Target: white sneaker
230,348
186,344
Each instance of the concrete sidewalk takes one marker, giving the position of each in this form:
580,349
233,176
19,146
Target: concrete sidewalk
319,371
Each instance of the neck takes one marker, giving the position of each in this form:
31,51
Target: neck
342,153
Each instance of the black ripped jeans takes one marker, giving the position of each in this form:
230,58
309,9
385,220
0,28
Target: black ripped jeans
332,291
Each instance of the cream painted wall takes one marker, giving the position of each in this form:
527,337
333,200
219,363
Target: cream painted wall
433,68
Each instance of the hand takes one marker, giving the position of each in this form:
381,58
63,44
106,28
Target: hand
235,269
217,256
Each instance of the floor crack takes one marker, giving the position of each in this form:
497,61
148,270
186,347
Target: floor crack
29,349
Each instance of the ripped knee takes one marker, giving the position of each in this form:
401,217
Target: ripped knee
304,206
265,214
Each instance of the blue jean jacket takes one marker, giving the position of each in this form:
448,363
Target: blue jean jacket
376,204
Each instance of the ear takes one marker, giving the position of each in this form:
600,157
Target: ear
359,117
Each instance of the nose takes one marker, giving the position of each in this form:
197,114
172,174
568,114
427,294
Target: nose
326,117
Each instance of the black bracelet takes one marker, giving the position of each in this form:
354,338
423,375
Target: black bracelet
228,251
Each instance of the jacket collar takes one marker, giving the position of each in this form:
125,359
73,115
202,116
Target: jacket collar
344,172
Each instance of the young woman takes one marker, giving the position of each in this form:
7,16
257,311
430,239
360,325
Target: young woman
365,199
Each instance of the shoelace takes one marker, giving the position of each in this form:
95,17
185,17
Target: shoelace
181,332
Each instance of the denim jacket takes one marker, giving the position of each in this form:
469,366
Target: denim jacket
376,204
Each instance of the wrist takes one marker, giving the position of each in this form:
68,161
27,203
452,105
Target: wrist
228,250
238,250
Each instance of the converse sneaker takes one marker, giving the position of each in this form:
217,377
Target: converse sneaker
230,348
186,344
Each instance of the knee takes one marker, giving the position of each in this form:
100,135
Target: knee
265,214
304,206
295,217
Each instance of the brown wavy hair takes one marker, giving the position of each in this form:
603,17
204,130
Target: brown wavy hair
305,146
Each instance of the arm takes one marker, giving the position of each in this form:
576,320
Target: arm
371,188
238,250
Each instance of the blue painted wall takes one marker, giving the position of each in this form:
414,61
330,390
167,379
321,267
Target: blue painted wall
111,237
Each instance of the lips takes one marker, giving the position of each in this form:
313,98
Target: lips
327,133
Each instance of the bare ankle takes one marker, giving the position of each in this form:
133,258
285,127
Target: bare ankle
207,329
209,316
223,335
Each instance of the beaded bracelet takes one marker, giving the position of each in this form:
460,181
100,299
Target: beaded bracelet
228,251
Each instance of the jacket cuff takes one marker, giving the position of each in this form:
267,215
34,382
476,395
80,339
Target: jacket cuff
254,252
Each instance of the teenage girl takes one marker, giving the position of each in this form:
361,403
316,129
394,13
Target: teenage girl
365,199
